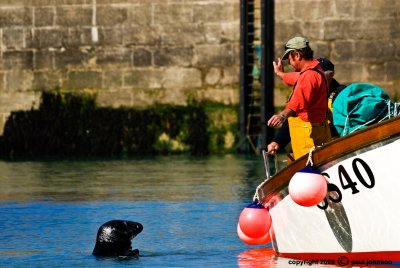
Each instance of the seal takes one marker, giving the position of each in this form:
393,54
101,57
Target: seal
114,239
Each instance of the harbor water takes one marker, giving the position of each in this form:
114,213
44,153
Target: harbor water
51,210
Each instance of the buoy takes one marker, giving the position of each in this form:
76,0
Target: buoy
308,187
253,241
255,221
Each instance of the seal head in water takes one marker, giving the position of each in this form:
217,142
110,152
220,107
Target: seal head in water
114,239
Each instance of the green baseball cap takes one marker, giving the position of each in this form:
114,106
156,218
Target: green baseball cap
293,44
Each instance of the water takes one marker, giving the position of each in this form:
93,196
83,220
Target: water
50,211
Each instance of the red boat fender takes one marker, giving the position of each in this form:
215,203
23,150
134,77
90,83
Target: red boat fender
255,221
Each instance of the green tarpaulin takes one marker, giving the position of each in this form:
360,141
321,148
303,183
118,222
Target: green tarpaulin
360,105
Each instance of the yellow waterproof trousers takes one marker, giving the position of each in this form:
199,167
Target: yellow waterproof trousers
305,135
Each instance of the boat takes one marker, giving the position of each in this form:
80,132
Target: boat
358,219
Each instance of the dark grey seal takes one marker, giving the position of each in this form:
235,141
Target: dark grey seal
114,239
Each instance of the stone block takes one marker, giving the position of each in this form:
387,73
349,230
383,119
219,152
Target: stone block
345,8
16,16
348,73
2,81
380,29
221,12
44,16
146,36
374,51
44,59
213,76
77,37
47,38
343,51
175,96
167,13
146,97
283,10
230,75
84,79
312,30
182,35
114,99
117,56
70,57
71,16
142,57
173,56
13,3
321,49
147,78
393,71
225,95
17,60
313,9
17,101
140,15
236,54
3,120
113,79
221,33
111,15
339,29
178,77
46,80
376,72
19,80
285,30
375,8
214,55
110,36
13,38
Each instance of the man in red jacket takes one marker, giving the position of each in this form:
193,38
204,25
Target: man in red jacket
307,107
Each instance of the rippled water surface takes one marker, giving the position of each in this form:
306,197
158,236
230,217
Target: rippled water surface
50,211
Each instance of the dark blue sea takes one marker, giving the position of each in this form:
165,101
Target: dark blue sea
51,210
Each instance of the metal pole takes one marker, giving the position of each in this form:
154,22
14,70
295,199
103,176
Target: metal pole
267,72
243,63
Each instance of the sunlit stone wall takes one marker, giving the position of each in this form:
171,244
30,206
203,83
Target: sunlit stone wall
138,52
361,37
128,52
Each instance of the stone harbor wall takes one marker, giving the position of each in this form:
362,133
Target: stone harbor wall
135,53
128,52
361,37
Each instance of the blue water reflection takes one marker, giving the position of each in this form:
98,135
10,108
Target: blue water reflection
50,211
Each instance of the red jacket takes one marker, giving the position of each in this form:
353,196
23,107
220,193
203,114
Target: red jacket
310,96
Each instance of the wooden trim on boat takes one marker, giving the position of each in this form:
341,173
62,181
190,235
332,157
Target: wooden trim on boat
329,152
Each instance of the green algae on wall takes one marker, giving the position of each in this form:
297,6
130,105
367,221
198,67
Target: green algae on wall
70,125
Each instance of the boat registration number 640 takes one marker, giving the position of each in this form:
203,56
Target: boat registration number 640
347,183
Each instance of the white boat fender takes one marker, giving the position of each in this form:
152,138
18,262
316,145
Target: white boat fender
308,187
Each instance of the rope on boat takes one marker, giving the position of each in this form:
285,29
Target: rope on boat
395,113
310,161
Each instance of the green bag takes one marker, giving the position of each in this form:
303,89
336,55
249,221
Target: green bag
360,105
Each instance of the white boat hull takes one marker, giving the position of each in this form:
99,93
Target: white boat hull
373,221
364,223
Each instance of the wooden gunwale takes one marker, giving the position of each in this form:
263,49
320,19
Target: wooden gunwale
329,152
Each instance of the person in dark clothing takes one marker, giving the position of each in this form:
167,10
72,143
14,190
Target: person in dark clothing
282,138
